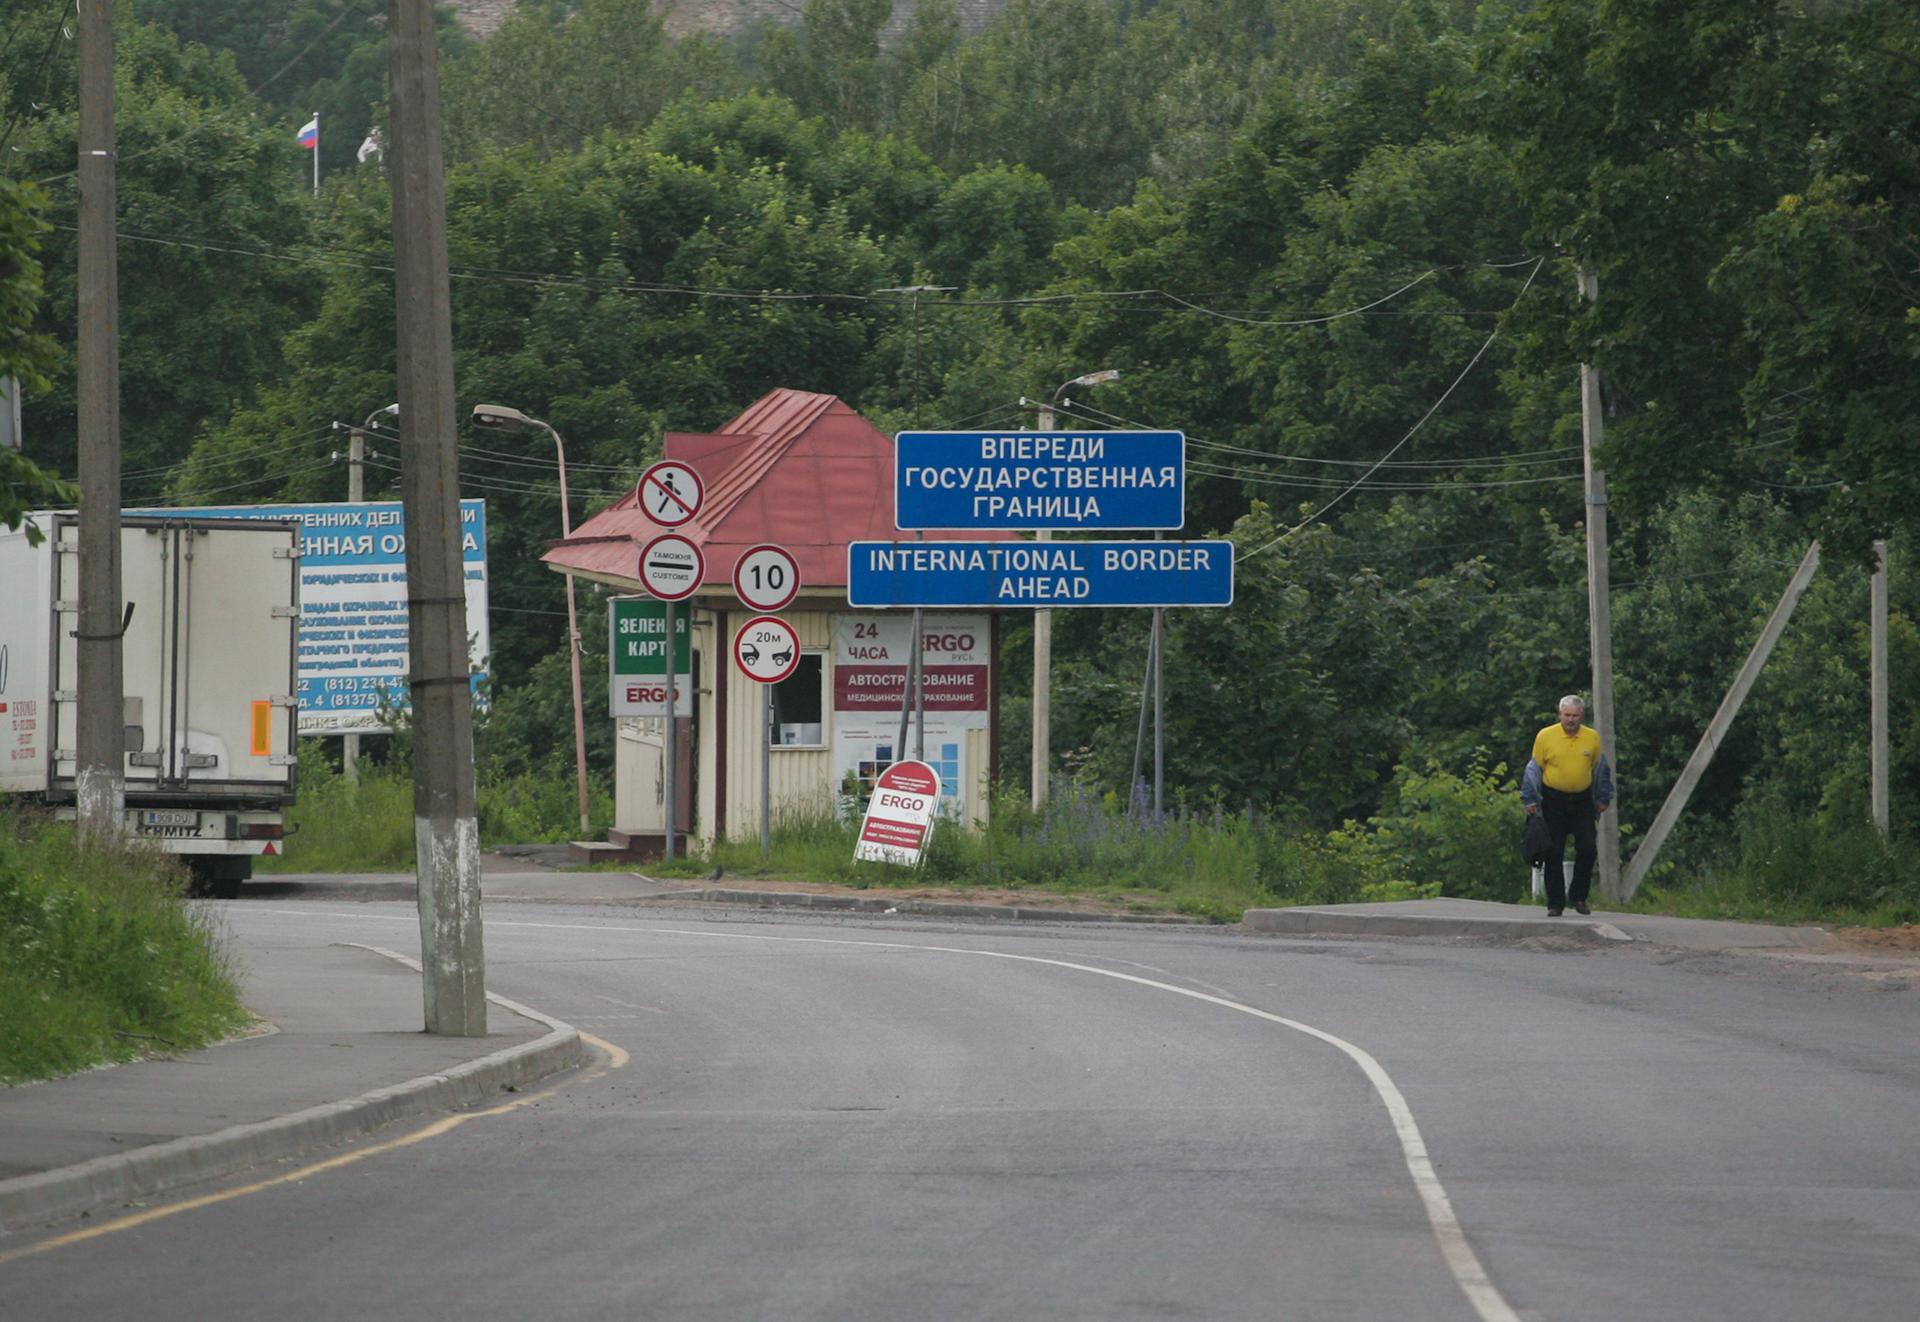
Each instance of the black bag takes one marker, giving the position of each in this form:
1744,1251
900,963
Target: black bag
1536,839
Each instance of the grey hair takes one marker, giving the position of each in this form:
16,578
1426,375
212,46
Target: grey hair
1573,698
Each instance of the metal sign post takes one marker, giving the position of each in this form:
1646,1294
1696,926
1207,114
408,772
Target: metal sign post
767,650
670,772
767,578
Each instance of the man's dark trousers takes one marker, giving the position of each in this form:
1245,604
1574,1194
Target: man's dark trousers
1569,815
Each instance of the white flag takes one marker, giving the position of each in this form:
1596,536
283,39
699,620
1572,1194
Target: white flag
373,146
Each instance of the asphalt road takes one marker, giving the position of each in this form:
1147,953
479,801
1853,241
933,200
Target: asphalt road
885,1119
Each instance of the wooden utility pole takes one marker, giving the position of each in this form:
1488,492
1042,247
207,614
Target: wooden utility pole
1877,665
445,826
1722,721
100,736
1599,609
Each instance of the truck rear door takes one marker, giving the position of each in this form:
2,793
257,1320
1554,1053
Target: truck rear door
208,655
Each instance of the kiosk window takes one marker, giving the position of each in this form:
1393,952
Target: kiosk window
798,701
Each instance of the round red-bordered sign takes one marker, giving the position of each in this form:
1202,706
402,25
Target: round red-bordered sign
766,577
672,567
669,493
766,649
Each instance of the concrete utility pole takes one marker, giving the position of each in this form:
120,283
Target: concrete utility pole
1877,665
1599,608
445,825
100,767
356,494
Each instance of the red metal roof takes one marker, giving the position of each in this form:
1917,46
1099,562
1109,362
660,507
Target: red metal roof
800,470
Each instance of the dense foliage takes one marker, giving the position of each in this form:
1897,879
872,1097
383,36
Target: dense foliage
1333,242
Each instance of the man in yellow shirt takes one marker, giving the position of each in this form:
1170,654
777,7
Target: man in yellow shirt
1568,779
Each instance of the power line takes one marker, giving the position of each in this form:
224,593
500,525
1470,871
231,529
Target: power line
1516,459
1411,432
374,262
1329,483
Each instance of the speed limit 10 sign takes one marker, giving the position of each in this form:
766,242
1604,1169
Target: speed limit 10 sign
766,578
766,649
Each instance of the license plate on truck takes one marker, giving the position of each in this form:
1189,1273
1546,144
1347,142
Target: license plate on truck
169,817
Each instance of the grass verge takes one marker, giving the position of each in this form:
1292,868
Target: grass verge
101,957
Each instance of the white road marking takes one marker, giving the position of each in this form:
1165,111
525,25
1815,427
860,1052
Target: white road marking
1455,1250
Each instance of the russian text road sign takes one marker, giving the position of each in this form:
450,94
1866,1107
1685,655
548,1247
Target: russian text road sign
637,658
766,578
1022,480
672,567
766,649
1040,574
899,814
670,493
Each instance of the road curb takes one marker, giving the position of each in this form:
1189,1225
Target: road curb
920,908
1329,922
163,1167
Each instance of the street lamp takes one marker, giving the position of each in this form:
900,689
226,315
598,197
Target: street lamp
356,493
1043,622
498,417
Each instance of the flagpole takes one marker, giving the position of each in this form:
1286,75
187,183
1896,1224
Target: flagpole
316,152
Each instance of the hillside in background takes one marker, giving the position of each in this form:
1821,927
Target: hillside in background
728,18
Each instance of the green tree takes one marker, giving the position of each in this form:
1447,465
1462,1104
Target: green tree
1737,173
553,77
213,245
26,356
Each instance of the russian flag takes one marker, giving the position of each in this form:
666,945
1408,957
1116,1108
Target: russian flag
310,133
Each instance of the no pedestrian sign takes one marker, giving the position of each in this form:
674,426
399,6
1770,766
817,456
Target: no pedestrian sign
669,493
899,815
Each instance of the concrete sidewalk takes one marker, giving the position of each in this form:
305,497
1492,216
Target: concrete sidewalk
344,1053
1480,918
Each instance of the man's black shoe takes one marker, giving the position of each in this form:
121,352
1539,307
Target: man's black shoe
1553,911
1580,906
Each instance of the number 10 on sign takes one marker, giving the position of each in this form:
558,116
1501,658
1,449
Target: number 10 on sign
766,578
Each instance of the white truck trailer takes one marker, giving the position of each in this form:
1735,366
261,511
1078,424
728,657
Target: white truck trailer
208,655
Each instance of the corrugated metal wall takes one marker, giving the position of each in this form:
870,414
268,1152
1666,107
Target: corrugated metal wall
801,777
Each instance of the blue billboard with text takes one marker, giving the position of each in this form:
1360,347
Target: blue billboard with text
1040,574
1022,481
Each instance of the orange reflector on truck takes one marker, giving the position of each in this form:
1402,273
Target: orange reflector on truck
262,729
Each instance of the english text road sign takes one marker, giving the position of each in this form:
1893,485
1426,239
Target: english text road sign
766,578
1040,574
899,814
670,493
766,649
637,658
1021,480
672,567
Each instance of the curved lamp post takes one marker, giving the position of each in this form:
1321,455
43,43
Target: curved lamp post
1043,624
498,417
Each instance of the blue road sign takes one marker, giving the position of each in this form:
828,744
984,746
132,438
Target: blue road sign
1027,480
1040,574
